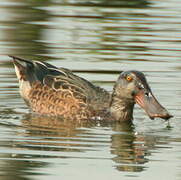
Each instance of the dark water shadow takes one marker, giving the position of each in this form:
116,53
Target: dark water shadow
108,3
25,39
26,35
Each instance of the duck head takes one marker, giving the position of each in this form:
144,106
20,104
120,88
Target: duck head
130,88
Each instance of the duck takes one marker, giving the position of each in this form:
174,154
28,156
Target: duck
59,92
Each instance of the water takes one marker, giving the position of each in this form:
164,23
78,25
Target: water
96,39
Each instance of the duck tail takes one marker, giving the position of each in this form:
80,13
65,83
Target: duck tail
30,71
24,69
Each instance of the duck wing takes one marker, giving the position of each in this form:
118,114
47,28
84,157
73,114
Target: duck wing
59,80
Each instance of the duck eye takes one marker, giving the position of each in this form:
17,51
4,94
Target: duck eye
129,78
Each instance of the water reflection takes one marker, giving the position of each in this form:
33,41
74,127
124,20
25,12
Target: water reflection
20,169
31,22
25,36
130,151
46,137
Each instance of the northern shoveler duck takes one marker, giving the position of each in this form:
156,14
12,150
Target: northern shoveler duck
59,92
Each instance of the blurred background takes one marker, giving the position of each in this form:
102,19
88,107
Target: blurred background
96,39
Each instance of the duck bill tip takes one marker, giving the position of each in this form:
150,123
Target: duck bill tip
165,117
151,106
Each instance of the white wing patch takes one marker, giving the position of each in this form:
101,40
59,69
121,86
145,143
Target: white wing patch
17,72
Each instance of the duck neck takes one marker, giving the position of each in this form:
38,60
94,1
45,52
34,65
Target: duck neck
121,108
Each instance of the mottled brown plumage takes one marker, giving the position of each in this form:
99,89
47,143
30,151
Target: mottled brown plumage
59,92
62,101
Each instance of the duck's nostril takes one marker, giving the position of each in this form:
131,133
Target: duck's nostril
148,94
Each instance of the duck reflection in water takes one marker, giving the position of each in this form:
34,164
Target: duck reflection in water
131,151
58,92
